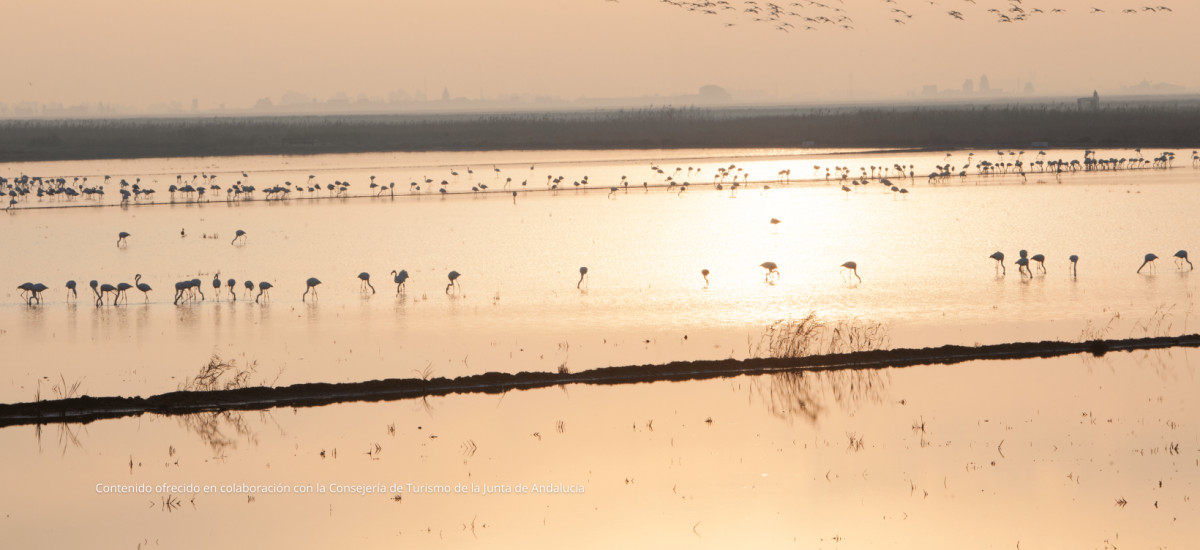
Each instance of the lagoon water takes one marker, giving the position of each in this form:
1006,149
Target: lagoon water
923,258
1067,452
1052,453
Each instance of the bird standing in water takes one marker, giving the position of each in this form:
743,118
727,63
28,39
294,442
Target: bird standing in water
853,268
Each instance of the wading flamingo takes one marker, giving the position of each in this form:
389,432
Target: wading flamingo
1182,255
312,283
771,268
853,267
145,288
1149,258
366,280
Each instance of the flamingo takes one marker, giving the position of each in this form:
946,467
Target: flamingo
399,277
103,289
1149,258
1041,260
230,283
240,234
1023,266
180,287
1182,255
195,284
853,267
145,288
454,275
1074,260
704,273
312,285
366,280
582,275
217,284
121,238
263,287
121,288
771,268
36,293
26,287
999,257
249,287
71,289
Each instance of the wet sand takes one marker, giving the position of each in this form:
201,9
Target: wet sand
87,409
1055,125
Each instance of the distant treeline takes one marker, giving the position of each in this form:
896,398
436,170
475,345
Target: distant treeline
1025,126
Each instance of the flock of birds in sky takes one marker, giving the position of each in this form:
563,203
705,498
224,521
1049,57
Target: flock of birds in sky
812,15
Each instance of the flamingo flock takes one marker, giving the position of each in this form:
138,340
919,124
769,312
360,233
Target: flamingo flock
24,190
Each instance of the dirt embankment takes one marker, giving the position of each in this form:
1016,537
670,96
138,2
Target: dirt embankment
1167,125
87,409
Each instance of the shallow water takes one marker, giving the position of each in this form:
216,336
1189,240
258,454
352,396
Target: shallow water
923,258
979,455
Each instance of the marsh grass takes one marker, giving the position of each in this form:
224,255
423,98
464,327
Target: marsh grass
61,389
799,394
1159,323
1093,331
220,374
809,335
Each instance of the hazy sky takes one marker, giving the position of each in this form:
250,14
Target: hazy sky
139,52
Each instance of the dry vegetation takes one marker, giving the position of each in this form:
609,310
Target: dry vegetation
808,336
1131,124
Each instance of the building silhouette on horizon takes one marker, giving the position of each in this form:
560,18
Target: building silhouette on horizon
1089,103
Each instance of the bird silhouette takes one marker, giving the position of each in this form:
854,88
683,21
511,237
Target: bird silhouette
399,277
1023,267
366,281
582,274
145,288
71,290
311,283
1041,260
239,235
263,288
1149,259
1182,255
35,293
231,283
771,268
121,288
121,238
1074,261
853,268
453,275
704,273
999,257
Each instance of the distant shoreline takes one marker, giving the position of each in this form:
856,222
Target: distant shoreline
923,127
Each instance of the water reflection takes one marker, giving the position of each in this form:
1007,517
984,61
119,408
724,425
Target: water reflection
810,394
68,436
221,431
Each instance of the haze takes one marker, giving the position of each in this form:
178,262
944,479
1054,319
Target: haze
223,53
